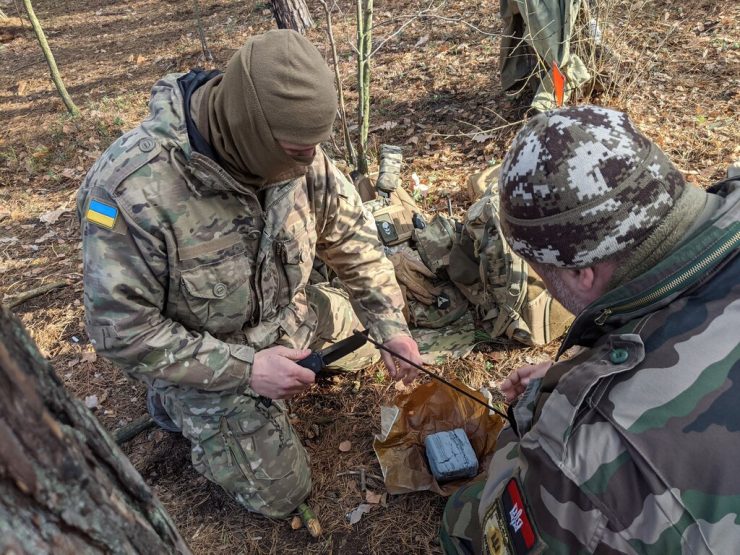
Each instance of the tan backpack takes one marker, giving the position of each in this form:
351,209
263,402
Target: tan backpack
473,264
509,297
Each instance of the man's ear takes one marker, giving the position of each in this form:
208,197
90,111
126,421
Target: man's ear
581,280
591,282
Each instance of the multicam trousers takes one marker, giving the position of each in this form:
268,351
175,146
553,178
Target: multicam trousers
250,450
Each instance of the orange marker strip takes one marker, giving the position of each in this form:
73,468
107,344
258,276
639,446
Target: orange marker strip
558,80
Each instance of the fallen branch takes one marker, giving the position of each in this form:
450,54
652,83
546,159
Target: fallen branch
130,431
329,419
17,300
362,472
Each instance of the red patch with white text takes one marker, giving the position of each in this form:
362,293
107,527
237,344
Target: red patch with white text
507,528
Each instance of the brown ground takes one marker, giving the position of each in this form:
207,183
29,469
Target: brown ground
435,93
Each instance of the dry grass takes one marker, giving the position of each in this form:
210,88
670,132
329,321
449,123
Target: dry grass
435,93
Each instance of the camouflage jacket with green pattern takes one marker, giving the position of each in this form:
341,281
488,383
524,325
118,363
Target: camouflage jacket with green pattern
188,273
632,445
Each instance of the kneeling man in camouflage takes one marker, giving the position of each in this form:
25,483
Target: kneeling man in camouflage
631,446
200,229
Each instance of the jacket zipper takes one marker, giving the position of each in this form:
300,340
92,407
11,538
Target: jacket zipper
602,317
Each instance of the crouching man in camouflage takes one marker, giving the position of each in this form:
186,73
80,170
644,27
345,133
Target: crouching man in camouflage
632,445
200,229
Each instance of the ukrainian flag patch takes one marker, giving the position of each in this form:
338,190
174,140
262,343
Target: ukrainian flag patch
102,214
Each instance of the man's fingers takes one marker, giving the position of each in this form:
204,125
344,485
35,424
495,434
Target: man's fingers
410,374
513,377
292,354
511,395
304,376
389,363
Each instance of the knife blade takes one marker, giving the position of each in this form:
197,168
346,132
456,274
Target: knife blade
318,360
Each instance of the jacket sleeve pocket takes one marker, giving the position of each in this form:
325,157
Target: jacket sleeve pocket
296,258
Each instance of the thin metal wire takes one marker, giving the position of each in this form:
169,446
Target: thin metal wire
432,374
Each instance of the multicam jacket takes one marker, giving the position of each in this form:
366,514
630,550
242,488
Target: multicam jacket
633,445
188,272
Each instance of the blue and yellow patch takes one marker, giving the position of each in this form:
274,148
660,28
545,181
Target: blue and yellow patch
102,214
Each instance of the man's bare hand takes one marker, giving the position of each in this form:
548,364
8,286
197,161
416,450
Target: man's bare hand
517,381
407,348
276,375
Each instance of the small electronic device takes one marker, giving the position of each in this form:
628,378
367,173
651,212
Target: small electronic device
450,455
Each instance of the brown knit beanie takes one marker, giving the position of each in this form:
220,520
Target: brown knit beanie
581,184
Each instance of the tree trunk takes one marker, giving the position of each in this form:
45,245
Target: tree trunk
50,59
65,487
292,14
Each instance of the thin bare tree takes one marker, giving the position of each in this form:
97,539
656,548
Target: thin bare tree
364,50
350,154
201,32
50,59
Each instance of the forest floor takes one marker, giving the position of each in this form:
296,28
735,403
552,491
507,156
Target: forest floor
435,92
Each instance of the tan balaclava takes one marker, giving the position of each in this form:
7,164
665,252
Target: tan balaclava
277,87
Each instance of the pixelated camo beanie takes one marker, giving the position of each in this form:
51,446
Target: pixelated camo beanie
277,87
581,184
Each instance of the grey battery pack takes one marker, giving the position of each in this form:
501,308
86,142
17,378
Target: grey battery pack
451,455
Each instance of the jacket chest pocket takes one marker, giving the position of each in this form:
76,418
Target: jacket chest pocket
294,259
216,297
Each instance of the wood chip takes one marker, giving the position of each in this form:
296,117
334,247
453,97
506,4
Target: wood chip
372,497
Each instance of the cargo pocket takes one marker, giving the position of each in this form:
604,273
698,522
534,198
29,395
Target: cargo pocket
216,297
264,444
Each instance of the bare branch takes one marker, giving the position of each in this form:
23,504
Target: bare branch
351,159
201,33
38,291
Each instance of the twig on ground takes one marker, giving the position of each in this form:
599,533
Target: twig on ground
362,472
330,419
130,431
17,300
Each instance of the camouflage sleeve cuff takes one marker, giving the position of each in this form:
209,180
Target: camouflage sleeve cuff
383,330
244,354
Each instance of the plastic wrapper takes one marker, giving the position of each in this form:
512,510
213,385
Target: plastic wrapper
430,408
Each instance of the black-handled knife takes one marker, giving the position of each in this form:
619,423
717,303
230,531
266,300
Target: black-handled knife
318,360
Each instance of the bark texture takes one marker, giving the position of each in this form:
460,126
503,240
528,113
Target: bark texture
292,14
65,487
